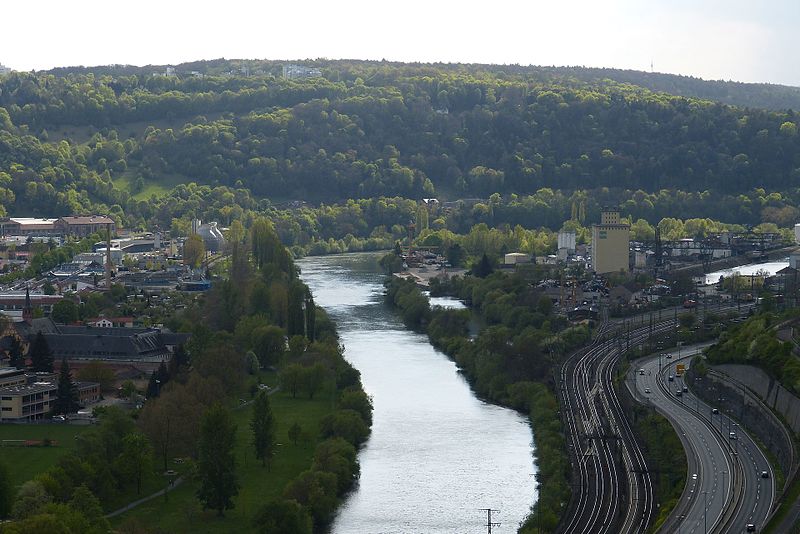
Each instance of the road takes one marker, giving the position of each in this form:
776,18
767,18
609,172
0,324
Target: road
725,490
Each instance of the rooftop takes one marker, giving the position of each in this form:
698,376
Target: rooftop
37,387
87,219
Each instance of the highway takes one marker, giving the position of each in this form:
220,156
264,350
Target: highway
725,490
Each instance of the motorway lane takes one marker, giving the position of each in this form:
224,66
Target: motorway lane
760,492
713,451
706,489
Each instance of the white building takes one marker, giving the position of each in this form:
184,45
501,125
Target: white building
297,72
566,239
4,69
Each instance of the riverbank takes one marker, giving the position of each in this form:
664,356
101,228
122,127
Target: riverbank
500,374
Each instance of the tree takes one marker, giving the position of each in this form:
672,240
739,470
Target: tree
99,372
291,377
6,492
315,490
64,311
16,358
295,431
269,344
194,251
311,317
216,465
263,426
136,458
483,268
347,424
30,498
66,394
282,517
41,357
313,378
152,386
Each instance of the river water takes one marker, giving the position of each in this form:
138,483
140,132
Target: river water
437,455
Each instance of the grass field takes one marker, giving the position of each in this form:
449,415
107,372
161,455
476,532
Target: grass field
182,512
161,187
26,462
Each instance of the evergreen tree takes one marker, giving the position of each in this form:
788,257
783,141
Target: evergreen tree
216,465
296,318
17,359
163,374
179,360
152,386
263,426
41,357
311,316
483,268
67,393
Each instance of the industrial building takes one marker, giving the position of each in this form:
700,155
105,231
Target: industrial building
610,243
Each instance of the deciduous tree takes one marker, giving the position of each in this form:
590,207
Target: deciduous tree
216,465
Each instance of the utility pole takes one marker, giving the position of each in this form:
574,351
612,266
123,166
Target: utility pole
489,523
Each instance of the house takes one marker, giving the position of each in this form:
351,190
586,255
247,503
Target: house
83,225
623,294
80,344
28,226
11,376
13,303
111,322
27,402
88,392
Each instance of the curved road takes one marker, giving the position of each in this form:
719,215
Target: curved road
725,490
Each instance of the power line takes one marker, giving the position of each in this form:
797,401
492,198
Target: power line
489,523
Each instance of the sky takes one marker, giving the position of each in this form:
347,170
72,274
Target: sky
742,40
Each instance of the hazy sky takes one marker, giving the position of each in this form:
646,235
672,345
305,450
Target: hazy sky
744,40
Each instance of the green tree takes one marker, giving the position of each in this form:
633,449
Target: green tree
483,268
216,465
282,517
269,344
67,393
194,251
64,311
313,378
263,427
41,357
30,498
16,358
136,458
295,431
291,377
315,490
6,492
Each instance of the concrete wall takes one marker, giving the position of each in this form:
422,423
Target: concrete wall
733,397
768,389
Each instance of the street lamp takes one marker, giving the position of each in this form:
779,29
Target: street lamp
705,509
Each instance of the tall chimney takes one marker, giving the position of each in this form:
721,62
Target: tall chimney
108,256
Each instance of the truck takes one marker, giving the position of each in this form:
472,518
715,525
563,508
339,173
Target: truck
679,369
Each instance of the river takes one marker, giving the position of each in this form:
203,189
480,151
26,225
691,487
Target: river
437,454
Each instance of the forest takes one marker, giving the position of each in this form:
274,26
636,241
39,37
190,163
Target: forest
235,138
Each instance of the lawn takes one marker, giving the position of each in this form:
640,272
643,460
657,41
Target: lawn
182,512
159,187
26,462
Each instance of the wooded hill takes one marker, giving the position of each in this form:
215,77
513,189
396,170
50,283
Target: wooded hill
106,138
